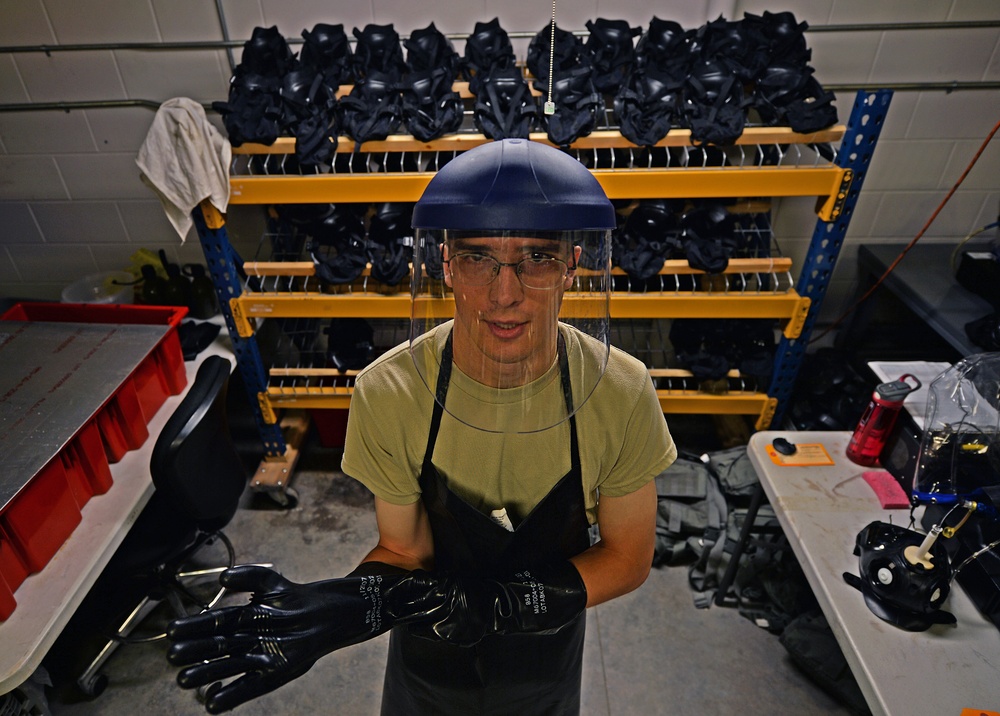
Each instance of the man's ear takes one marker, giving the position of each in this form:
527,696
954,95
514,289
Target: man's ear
445,265
571,274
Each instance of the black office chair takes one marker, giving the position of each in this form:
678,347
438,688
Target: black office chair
199,478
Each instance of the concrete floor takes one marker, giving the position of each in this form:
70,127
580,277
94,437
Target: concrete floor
650,652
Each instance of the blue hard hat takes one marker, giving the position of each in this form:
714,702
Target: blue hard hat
515,185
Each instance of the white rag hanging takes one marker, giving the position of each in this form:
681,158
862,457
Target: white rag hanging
185,160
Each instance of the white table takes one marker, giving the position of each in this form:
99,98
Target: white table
47,599
822,509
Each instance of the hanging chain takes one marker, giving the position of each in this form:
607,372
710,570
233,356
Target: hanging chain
550,105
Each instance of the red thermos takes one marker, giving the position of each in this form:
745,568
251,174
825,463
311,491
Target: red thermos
878,419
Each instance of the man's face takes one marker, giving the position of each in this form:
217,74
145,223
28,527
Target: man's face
505,332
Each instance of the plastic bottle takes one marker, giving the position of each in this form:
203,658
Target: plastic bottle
878,420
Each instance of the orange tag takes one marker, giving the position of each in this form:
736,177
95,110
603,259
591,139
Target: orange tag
978,712
804,455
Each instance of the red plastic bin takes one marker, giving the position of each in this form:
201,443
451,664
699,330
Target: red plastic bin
43,514
12,573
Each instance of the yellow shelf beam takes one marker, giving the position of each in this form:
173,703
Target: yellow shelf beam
600,139
671,267
787,306
671,402
618,184
828,182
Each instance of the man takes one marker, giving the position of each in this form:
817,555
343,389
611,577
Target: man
492,443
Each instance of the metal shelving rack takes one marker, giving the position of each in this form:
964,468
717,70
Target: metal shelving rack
764,162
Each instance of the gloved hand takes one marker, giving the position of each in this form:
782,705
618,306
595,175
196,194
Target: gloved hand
280,634
462,610
287,627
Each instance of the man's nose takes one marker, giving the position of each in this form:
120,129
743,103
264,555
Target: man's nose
506,288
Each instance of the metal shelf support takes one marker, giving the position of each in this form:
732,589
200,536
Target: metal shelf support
857,146
223,266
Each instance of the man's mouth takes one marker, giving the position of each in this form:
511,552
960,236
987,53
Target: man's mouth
506,329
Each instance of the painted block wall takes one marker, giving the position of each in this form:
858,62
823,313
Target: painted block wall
71,201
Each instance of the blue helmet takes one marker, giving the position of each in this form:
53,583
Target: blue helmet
514,185
494,203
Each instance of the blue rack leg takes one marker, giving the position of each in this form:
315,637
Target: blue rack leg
860,138
223,267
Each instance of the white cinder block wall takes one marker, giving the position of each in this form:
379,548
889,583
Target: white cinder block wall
71,202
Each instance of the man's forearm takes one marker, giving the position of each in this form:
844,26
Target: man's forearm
620,562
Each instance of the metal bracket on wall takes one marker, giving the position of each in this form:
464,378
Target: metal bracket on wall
830,207
793,329
855,154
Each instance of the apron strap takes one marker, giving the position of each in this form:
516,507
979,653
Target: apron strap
440,393
574,447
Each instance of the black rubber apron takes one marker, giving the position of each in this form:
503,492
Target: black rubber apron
518,673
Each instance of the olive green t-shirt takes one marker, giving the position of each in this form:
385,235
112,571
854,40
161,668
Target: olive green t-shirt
623,437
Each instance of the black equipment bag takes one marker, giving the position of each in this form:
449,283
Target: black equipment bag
649,236
713,104
611,52
373,110
337,243
578,107
310,115
431,107
253,111
486,48
327,50
429,49
505,107
267,53
378,51
390,242
569,54
666,46
740,46
786,93
710,237
647,106
350,343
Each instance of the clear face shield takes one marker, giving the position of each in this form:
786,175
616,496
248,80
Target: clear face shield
960,449
521,339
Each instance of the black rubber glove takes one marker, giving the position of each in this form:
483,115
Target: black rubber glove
462,610
287,627
280,634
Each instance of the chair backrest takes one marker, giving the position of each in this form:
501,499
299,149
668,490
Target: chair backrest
194,464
